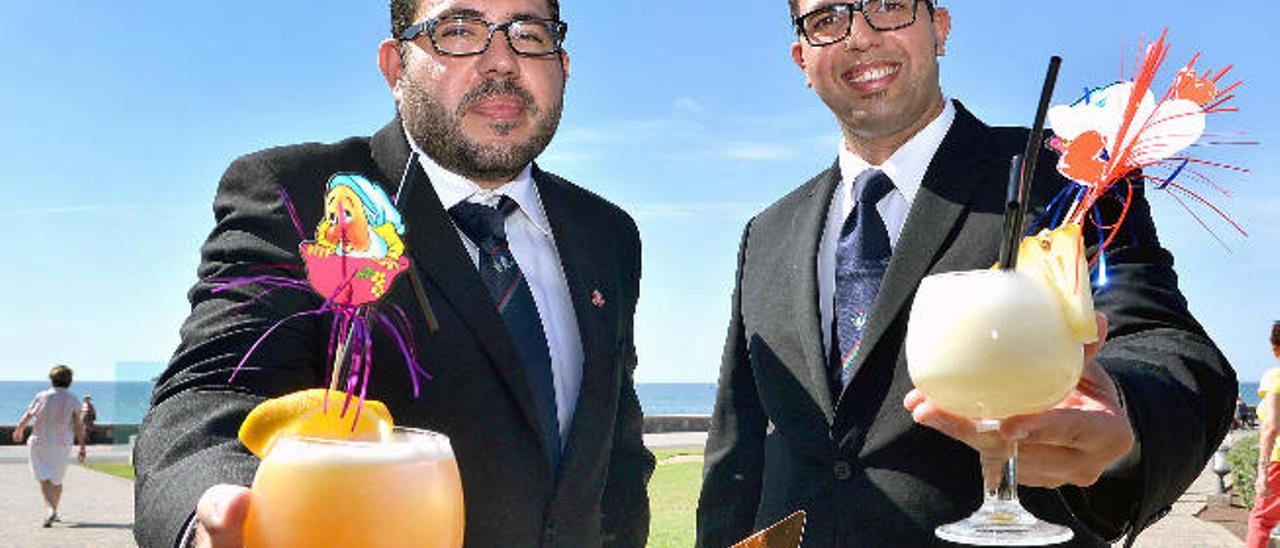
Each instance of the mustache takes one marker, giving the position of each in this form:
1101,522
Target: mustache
494,88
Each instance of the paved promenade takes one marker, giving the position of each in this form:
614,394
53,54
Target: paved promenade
97,510
1182,529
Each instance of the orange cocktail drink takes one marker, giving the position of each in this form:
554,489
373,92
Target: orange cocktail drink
402,491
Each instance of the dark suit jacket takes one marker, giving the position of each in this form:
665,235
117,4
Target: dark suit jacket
478,396
865,473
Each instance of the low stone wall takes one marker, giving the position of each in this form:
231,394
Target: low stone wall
108,434
119,433
662,424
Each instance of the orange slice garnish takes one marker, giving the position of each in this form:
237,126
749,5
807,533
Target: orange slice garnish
303,413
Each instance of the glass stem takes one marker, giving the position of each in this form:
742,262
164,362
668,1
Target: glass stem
1001,521
999,465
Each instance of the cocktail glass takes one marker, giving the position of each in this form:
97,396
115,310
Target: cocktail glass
402,491
987,345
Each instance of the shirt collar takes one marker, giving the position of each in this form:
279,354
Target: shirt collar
454,189
907,165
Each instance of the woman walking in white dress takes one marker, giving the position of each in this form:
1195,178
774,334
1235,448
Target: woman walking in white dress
55,417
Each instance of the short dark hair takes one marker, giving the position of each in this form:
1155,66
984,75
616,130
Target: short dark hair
404,11
60,376
795,6
1275,335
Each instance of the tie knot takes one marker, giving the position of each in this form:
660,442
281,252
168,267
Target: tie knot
484,225
873,185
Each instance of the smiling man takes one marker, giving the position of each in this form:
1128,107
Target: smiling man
537,396
816,410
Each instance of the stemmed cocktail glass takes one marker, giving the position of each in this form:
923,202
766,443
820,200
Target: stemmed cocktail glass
987,345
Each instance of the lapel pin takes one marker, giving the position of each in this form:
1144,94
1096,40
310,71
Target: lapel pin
597,299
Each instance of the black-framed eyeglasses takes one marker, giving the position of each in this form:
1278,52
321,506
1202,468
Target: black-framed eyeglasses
460,36
832,23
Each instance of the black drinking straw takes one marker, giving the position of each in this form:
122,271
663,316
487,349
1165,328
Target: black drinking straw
1020,172
1012,216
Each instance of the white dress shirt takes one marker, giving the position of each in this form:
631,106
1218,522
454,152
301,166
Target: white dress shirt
532,244
906,168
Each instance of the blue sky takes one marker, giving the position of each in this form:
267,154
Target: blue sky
120,117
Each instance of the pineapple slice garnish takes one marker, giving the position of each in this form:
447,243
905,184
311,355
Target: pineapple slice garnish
1058,257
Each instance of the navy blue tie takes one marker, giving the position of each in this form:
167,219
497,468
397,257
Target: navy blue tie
862,255
486,227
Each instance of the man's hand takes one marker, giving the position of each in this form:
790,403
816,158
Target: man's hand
1260,487
1071,444
17,435
220,516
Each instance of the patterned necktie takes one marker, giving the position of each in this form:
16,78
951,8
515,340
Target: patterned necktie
486,227
862,255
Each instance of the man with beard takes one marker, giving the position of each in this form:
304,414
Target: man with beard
541,408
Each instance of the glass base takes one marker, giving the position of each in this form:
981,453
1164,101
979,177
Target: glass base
1003,524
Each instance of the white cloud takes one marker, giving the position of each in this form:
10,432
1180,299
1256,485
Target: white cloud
614,132
688,105
755,152
92,209
679,139
561,159
650,211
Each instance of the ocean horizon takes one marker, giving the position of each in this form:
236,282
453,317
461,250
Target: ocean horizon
127,402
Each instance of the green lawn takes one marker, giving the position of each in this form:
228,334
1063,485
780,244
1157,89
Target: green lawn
673,497
123,470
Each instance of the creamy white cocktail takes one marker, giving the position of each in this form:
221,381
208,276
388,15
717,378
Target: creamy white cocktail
991,344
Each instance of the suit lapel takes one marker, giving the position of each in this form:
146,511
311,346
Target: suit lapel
810,223
574,235
437,250
944,195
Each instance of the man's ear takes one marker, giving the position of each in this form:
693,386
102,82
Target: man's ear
941,29
391,64
564,64
797,56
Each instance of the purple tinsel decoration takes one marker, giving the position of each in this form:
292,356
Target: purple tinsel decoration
350,329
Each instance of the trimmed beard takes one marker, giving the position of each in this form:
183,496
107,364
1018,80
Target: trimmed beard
438,132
